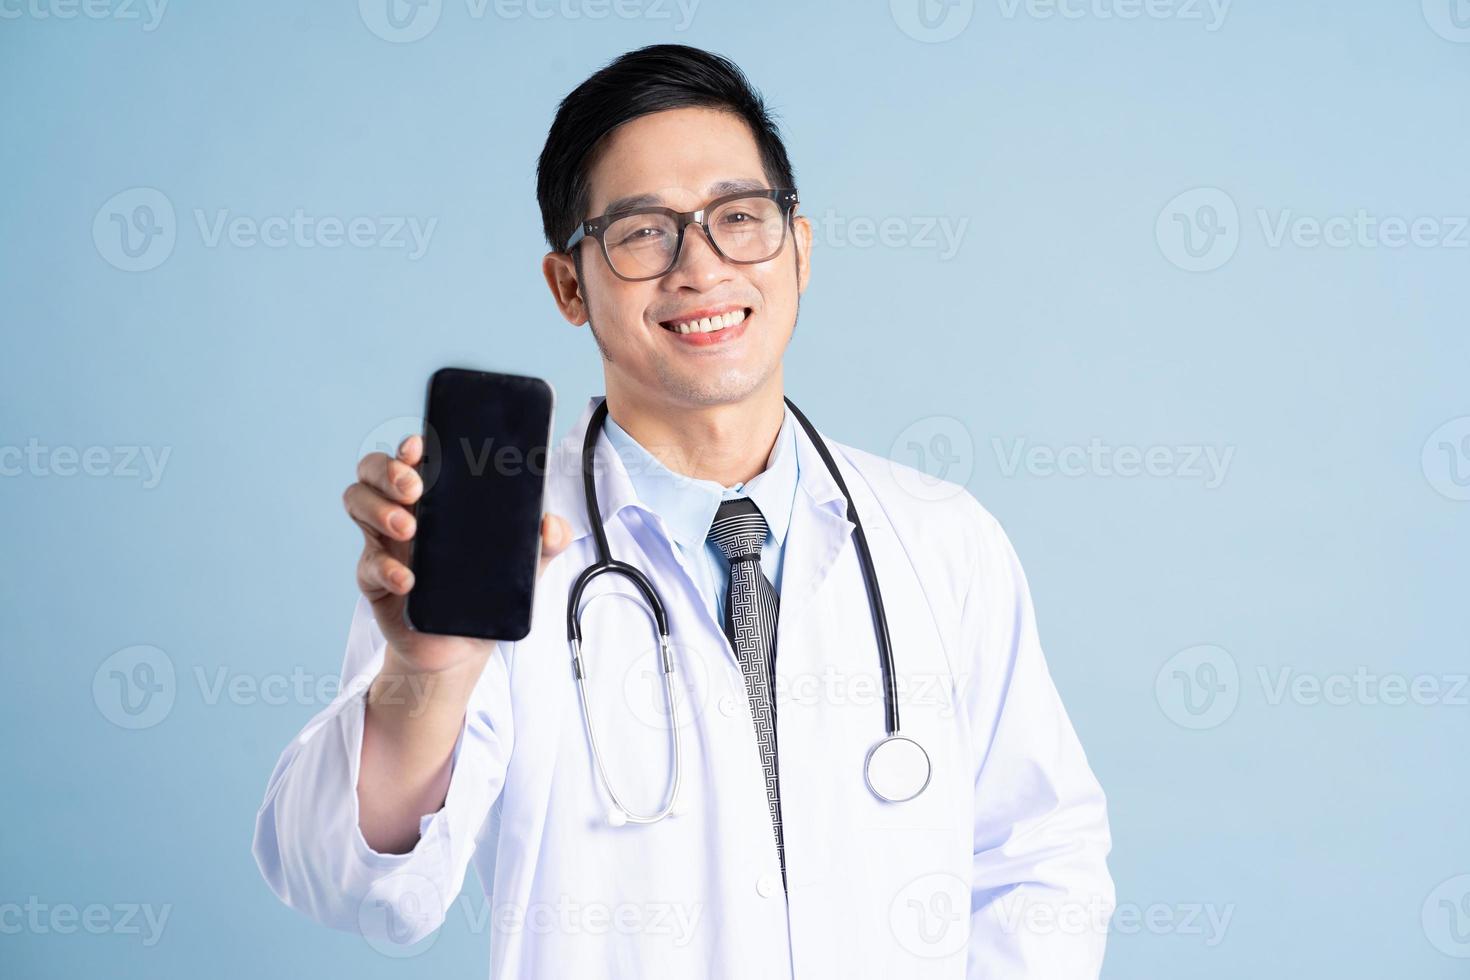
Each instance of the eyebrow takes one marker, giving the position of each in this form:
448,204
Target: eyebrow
717,189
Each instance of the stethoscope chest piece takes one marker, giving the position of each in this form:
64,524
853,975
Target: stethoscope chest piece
897,769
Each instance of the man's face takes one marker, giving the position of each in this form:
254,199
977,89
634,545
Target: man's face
684,158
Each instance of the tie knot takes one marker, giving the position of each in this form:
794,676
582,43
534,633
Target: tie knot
739,530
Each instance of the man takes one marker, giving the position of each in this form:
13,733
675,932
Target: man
782,863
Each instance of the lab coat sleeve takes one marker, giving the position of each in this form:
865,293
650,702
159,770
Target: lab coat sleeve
1041,895
307,843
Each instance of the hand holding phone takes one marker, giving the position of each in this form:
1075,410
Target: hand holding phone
380,504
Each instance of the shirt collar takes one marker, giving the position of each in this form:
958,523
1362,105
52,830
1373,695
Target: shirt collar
565,483
688,505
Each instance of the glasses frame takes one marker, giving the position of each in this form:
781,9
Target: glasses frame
597,228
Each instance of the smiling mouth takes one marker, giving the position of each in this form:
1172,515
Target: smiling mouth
708,324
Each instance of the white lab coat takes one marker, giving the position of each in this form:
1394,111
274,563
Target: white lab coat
997,870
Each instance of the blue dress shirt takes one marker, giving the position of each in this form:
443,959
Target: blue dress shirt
688,505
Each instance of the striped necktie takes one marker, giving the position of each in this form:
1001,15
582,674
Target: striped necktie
751,606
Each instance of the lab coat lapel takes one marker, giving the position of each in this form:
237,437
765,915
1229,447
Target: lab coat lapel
818,532
815,538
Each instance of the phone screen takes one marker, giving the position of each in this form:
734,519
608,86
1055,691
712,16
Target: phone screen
478,540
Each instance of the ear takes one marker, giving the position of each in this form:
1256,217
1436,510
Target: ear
560,271
801,231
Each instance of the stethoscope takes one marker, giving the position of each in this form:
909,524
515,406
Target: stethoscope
896,768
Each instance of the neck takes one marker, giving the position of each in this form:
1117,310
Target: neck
728,443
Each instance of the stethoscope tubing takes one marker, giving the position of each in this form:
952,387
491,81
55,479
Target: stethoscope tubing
606,564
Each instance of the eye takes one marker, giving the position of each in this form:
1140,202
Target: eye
639,235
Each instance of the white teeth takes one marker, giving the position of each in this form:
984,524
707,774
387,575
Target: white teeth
711,324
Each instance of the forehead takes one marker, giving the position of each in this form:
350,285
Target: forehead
676,158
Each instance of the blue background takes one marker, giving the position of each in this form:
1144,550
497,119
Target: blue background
1330,546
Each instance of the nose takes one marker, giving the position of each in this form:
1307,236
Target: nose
698,264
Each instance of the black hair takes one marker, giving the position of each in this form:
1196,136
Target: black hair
650,79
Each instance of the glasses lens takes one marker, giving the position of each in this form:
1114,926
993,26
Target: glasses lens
749,229
641,245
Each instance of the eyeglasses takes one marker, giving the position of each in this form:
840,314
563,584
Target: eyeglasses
644,243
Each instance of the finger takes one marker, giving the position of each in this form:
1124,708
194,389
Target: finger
411,450
393,478
379,574
372,512
556,534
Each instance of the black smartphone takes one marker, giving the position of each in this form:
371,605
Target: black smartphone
487,440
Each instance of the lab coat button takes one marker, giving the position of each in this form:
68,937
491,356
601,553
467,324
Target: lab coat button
766,886
727,706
